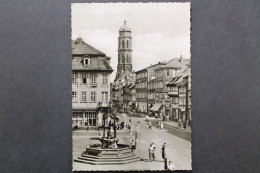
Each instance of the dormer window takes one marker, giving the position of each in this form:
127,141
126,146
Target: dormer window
86,61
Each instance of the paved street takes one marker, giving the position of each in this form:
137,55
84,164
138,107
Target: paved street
179,150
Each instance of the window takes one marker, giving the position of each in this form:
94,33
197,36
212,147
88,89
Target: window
167,72
182,101
93,97
105,97
174,73
127,44
83,96
123,44
93,78
84,78
77,115
86,61
74,96
90,118
74,78
104,78
123,58
182,90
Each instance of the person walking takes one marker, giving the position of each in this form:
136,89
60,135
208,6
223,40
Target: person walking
131,131
132,145
153,152
150,149
162,125
163,151
184,125
150,125
159,124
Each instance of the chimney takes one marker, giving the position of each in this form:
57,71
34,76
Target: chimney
79,40
181,58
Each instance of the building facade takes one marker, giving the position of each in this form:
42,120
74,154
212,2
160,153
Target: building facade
179,90
141,90
91,72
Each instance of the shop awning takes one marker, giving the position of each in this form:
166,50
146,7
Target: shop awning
156,107
85,109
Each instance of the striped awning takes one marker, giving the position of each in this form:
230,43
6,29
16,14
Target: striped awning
156,107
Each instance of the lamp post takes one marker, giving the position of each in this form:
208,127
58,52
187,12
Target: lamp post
114,115
104,109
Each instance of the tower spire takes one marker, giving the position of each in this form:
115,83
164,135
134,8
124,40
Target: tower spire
124,51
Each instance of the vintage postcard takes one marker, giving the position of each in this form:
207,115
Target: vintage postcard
131,86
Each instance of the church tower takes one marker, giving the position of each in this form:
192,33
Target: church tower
124,51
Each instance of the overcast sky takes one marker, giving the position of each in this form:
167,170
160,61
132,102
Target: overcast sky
160,31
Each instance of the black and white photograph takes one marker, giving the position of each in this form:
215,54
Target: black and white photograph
131,86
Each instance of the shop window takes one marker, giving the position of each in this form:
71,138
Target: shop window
90,118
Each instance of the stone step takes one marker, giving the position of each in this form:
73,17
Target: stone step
106,163
119,159
108,156
116,152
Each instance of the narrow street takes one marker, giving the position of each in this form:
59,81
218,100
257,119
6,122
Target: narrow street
178,150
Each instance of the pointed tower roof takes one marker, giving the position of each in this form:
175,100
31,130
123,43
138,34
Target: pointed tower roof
125,27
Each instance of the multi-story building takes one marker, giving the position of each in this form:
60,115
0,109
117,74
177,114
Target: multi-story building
90,83
132,96
141,90
163,75
151,86
179,90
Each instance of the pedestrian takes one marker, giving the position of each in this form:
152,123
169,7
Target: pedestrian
130,121
165,164
171,167
153,153
150,149
150,125
163,151
156,115
161,125
184,124
131,132
132,145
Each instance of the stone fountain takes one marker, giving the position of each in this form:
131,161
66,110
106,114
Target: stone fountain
108,151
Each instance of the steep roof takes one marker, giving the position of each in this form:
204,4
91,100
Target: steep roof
179,78
97,63
125,27
175,63
79,47
98,59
